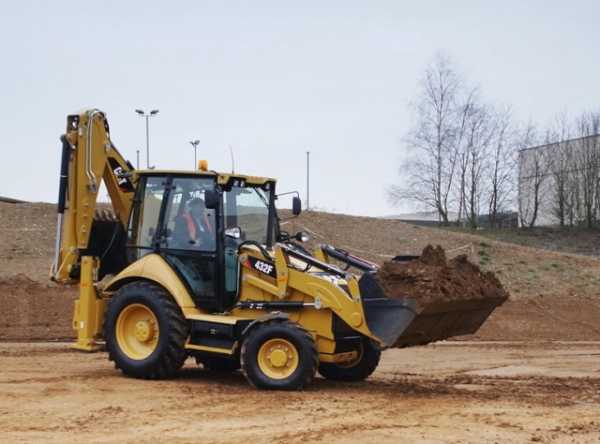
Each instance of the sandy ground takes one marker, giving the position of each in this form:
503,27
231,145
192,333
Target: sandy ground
533,390
448,392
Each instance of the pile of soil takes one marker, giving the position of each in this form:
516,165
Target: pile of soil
31,310
554,296
432,279
27,239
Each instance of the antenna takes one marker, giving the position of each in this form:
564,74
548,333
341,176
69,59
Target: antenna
307,180
232,160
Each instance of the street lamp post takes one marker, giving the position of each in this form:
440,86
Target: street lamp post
195,144
141,113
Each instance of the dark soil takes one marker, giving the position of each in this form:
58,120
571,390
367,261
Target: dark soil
31,310
432,279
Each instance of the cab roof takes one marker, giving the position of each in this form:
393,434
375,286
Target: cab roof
222,178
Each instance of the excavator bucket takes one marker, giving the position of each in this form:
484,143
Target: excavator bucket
400,323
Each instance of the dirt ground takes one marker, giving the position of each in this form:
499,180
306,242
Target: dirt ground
448,392
466,390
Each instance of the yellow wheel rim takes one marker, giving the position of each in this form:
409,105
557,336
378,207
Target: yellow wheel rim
278,358
137,331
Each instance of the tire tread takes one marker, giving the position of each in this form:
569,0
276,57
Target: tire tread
175,354
309,368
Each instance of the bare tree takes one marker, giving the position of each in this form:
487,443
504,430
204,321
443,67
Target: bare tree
464,116
502,159
532,174
480,131
588,165
560,167
463,154
432,164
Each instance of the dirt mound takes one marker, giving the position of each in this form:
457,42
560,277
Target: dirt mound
542,318
31,310
432,279
550,292
27,239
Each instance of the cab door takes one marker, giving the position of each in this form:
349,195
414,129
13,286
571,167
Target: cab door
188,239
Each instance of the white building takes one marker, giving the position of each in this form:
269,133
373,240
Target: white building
559,183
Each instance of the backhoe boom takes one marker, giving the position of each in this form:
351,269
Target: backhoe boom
88,158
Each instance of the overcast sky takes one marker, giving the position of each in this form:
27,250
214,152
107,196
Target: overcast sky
274,79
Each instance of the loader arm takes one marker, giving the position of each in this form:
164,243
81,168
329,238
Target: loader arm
88,159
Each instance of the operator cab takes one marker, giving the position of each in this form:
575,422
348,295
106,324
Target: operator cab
196,222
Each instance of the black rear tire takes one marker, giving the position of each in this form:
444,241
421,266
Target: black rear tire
302,367
169,353
361,369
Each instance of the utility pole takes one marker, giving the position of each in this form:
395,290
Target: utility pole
152,113
137,156
195,144
307,180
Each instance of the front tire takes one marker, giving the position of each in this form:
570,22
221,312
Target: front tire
145,332
360,369
279,355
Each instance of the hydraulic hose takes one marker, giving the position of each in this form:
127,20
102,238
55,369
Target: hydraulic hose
64,174
62,199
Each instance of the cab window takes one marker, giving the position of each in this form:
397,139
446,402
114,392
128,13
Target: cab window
144,220
189,224
247,207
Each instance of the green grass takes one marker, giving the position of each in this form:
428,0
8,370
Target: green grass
576,240
484,255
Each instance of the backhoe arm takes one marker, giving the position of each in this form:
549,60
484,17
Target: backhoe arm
88,158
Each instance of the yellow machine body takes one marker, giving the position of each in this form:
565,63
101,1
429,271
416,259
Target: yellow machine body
92,158
296,286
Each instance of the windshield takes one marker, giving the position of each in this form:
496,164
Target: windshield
247,207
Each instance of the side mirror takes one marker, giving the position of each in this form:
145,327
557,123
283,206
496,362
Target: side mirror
211,199
301,236
233,232
296,206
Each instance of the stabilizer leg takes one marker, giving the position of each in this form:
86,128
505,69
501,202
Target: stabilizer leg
88,308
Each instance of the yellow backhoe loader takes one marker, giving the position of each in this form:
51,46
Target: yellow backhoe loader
194,263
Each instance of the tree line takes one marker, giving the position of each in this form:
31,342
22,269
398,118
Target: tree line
465,158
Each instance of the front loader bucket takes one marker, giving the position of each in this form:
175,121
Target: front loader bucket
386,318
399,323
